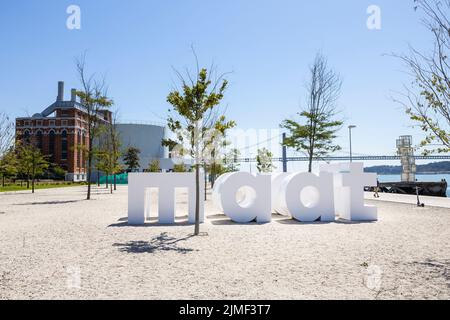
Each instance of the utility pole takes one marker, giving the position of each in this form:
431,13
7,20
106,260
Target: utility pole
284,154
350,127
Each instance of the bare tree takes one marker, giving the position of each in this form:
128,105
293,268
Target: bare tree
108,152
114,136
6,133
94,100
427,99
315,132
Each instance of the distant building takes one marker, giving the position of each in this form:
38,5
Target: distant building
60,131
148,139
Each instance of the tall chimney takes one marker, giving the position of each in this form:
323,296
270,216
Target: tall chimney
73,95
60,96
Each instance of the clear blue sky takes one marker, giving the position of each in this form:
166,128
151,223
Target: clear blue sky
267,45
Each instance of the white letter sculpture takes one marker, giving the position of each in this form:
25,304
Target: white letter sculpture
349,183
307,197
338,190
256,202
277,180
166,183
216,189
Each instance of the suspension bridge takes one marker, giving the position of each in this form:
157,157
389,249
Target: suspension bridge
348,158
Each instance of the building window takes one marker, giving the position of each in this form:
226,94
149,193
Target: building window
79,151
39,123
64,123
84,143
27,123
64,145
51,123
26,136
51,145
39,140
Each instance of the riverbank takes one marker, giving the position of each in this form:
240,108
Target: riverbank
409,199
56,245
419,177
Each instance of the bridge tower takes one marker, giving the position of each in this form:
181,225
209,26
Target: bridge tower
406,152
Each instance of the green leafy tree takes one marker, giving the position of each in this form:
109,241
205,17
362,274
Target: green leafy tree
218,144
131,158
264,161
95,103
31,162
116,144
427,98
8,165
192,108
179,167
114,148
315,131
108,154
154,166
231,163
103,161
58,172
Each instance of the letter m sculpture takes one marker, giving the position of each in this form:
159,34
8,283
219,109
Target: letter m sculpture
139,204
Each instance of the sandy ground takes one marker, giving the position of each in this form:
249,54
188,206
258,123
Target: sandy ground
53,244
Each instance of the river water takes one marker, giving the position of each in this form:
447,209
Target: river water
419,177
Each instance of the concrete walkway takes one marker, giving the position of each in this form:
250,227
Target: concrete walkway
410,199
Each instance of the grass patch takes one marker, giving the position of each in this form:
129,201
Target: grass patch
37,186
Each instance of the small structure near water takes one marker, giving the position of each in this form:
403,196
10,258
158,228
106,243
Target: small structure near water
406,152
408,183
434,189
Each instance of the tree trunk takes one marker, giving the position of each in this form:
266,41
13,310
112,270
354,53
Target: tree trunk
28,181
311,155
89,174
197,200
106,181
206,182
32,177
115,182
111,187
3,180
213,170
213,174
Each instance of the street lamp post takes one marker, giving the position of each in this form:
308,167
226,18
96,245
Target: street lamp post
350,127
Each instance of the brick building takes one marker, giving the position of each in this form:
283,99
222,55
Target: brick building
59,131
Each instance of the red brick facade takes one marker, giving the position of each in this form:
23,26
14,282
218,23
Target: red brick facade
61,136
